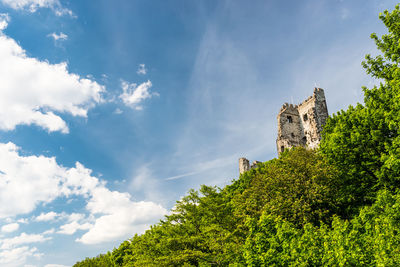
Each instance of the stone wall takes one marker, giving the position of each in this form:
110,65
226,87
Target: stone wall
290,132
244,165
298,125
301,125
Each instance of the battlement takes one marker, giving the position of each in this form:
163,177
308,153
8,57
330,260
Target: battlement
288,107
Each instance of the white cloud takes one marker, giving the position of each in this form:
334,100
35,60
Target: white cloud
120,216
44,217
180,176
61,36
23,238
133,95
16,257
28,181
34,5
55,265
118,111
74,217
11,227
22,220
4,19
142,69
71,228
33,90
75,222
49,232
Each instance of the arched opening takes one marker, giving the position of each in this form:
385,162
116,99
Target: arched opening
282,148
305,117
290,119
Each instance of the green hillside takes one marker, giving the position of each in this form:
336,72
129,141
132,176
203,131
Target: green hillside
335,206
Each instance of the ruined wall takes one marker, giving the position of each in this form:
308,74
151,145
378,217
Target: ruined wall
313,112
305,126
290,132
244,165
298,125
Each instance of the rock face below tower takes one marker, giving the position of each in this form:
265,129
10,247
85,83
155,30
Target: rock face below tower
301,125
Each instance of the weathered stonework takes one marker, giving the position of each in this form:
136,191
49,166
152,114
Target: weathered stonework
301,125
298,125
244,165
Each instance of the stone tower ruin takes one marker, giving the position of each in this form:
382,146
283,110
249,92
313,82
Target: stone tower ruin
301,125
298,125
244,165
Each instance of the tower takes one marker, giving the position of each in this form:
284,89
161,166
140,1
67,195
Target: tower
244,165
301,125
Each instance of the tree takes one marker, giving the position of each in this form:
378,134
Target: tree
198,232
369,239
299,186
364,141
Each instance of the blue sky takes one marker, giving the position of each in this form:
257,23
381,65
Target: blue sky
110,111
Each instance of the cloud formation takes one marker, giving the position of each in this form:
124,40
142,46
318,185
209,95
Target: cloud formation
142,69
72,227
29,181
45,217
11,227
133,95
33,91
34,5
61,36
9,243
16,257
4,20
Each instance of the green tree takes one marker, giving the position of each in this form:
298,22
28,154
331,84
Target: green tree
199,232
102,260
364,141
299,186
370,239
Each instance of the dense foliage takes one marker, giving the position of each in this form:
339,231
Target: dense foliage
336,206
364,141
370,239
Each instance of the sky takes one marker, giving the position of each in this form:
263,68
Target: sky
110,111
